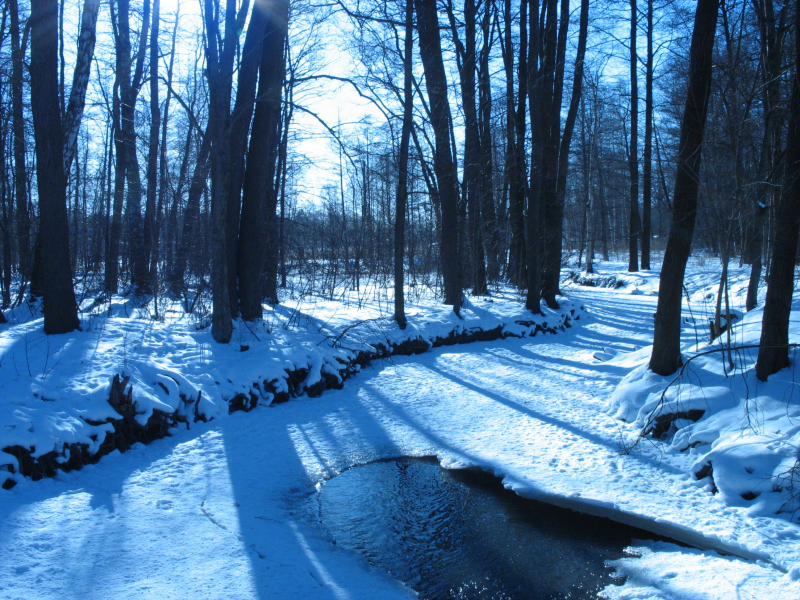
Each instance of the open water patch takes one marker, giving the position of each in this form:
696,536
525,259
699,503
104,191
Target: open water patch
456,534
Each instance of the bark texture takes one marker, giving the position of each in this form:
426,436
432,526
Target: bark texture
60,308
666,357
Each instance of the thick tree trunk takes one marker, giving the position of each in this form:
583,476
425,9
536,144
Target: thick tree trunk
551,46
259,199
773,354
240,122
220,54
60,308
666,357
443,163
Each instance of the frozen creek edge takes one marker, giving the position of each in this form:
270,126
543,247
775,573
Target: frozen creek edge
126,430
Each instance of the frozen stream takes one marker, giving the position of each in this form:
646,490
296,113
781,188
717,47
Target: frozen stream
217,511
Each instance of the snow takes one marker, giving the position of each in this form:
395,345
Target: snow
218,510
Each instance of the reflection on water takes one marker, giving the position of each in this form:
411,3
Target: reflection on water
461,535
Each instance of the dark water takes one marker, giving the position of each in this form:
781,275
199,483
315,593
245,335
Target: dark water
461,535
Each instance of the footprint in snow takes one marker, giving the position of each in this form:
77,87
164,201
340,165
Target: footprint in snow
164,504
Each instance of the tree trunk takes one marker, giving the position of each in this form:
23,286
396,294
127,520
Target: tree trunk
535,74
259,199
150,238
633,156
515,160
489,231
80,80
240,122
666,357
466,54
771,43
647,166
773,354
443,163
188,244
60,308
220,54
402,177
23,221
126,91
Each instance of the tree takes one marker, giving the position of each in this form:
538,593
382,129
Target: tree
647,166
149,237
443,164
126,92
402,179
60,308
23,221
773,352
633,150
515,167
771,38
220,54
80,80
666,357
259,200
550,145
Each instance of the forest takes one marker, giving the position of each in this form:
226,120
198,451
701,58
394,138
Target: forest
484,142
357,299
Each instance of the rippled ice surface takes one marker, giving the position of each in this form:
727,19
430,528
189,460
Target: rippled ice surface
461,535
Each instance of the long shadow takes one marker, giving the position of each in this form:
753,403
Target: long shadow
439,442
73,523
560,423
300,446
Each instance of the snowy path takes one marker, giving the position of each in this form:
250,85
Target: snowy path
213,513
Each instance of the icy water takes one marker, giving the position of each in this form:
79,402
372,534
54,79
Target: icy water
461,535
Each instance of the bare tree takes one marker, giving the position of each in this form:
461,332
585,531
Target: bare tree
60,308
773,353
666,357
443,163
402,179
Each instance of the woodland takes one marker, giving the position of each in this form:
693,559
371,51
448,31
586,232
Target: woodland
188,151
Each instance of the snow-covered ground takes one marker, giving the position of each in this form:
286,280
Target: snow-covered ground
213,511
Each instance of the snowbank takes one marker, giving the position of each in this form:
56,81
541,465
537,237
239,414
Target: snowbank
69,399
742,435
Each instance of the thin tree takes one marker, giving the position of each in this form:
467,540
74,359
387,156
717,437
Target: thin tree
771,40
23,222
150,239
647,158
633,150
773,353
80,80
402,178
126,92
